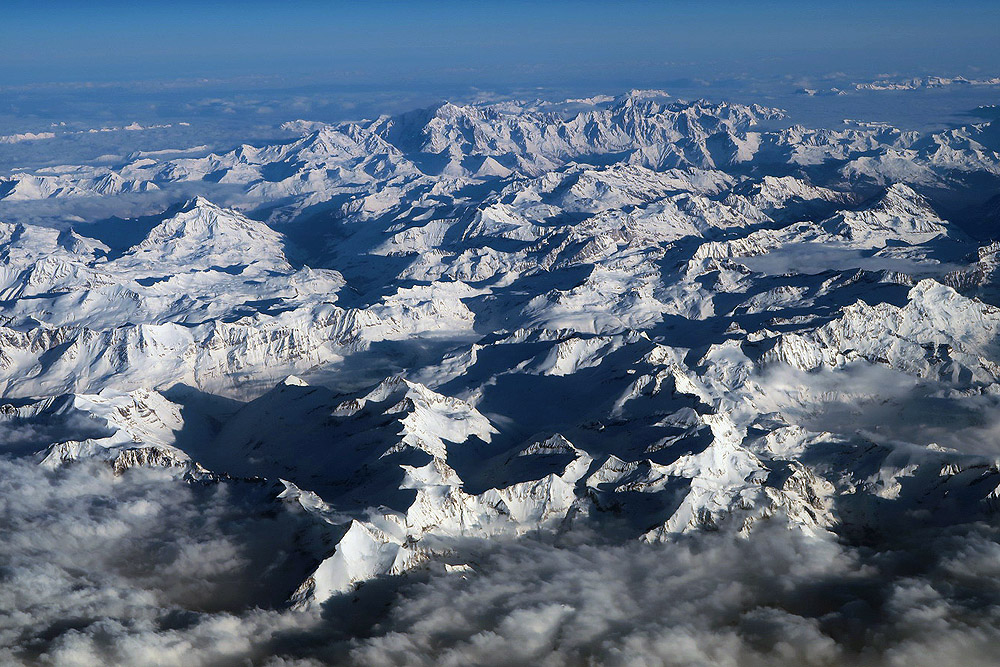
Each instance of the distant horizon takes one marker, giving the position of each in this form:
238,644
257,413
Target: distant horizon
485,44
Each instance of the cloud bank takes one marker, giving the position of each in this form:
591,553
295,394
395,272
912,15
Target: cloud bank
144,568
777,599
140,568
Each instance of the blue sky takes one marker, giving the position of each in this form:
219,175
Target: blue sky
490,43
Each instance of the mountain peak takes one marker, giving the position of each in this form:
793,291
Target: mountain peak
202,235
901,197
197,202
637,95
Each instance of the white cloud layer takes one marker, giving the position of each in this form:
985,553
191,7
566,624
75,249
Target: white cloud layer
144,568
140,568
777,599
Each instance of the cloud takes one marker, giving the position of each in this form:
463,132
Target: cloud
779,598
885,405
701,602
141,568
144,568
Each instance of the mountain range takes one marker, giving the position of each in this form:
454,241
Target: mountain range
651,319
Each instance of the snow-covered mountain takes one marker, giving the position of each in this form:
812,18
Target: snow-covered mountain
647,320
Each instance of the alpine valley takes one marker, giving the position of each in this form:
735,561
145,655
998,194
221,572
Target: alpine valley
609,325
